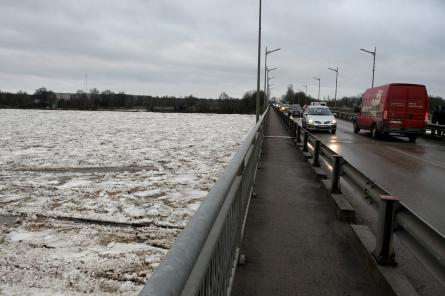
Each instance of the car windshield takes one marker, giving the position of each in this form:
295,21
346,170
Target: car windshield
295,107
319,111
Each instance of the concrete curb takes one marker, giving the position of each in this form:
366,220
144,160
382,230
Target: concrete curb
388,278
321,175
343,209
307,155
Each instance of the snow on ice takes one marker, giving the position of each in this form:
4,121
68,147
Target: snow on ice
101,196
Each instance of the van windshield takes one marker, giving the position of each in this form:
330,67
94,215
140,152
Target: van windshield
319,111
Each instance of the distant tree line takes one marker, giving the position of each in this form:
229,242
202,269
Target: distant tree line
108,100
291,97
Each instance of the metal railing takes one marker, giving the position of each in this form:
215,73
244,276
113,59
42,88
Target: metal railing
425,241
344,113
435,130
203,259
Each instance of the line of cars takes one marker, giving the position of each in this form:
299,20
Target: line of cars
314,117
395,108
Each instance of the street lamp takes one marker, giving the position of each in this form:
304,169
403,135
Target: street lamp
258,69
336,76
266,89
265,63
319,79
373,63
265,69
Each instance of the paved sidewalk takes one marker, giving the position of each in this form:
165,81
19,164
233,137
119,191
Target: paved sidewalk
293,243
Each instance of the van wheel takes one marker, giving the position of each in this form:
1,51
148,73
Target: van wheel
374,132
412,138
356,128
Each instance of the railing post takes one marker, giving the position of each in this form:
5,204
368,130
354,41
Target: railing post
305,141
335,185
384,251
316,162
298,133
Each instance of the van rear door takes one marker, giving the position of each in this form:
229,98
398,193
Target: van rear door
407,105
417,106
396,107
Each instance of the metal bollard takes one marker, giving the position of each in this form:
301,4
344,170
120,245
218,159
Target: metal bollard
384,250
316,162
305,137
298,133
335,185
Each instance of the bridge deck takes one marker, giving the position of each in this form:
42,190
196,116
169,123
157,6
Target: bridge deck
293,243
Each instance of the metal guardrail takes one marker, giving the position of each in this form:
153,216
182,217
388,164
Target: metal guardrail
436,130
344,113
203,258
425,241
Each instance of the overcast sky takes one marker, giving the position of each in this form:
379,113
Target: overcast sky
205,47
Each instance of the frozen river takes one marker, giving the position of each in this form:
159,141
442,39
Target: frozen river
99,197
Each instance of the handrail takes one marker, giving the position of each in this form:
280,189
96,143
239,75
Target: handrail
202,259
430,243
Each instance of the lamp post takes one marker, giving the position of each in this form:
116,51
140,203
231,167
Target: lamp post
258,69
266,88
265,68
373,63
336,77
319,79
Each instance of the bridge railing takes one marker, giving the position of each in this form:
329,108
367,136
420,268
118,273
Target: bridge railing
436,130
425,241
203,258
344,113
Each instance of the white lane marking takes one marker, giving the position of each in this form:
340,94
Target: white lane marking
415,157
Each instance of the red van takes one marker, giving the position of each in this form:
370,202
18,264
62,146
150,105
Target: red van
393,108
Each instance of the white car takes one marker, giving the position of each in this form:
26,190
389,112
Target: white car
319,118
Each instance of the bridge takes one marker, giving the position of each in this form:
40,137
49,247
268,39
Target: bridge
296,213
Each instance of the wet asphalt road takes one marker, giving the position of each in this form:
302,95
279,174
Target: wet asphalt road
413,171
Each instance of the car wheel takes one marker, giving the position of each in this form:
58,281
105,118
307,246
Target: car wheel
374,132
412,138
333,132
356,128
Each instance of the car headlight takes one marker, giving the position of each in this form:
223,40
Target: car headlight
334,121
311,121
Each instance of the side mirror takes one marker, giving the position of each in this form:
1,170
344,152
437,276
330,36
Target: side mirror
335,114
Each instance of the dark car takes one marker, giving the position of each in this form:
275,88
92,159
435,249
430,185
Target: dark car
295,110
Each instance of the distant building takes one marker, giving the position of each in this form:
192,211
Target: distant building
64,96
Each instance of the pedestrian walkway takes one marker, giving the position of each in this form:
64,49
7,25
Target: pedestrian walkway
293,243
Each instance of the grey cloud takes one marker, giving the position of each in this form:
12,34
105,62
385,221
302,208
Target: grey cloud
203,47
